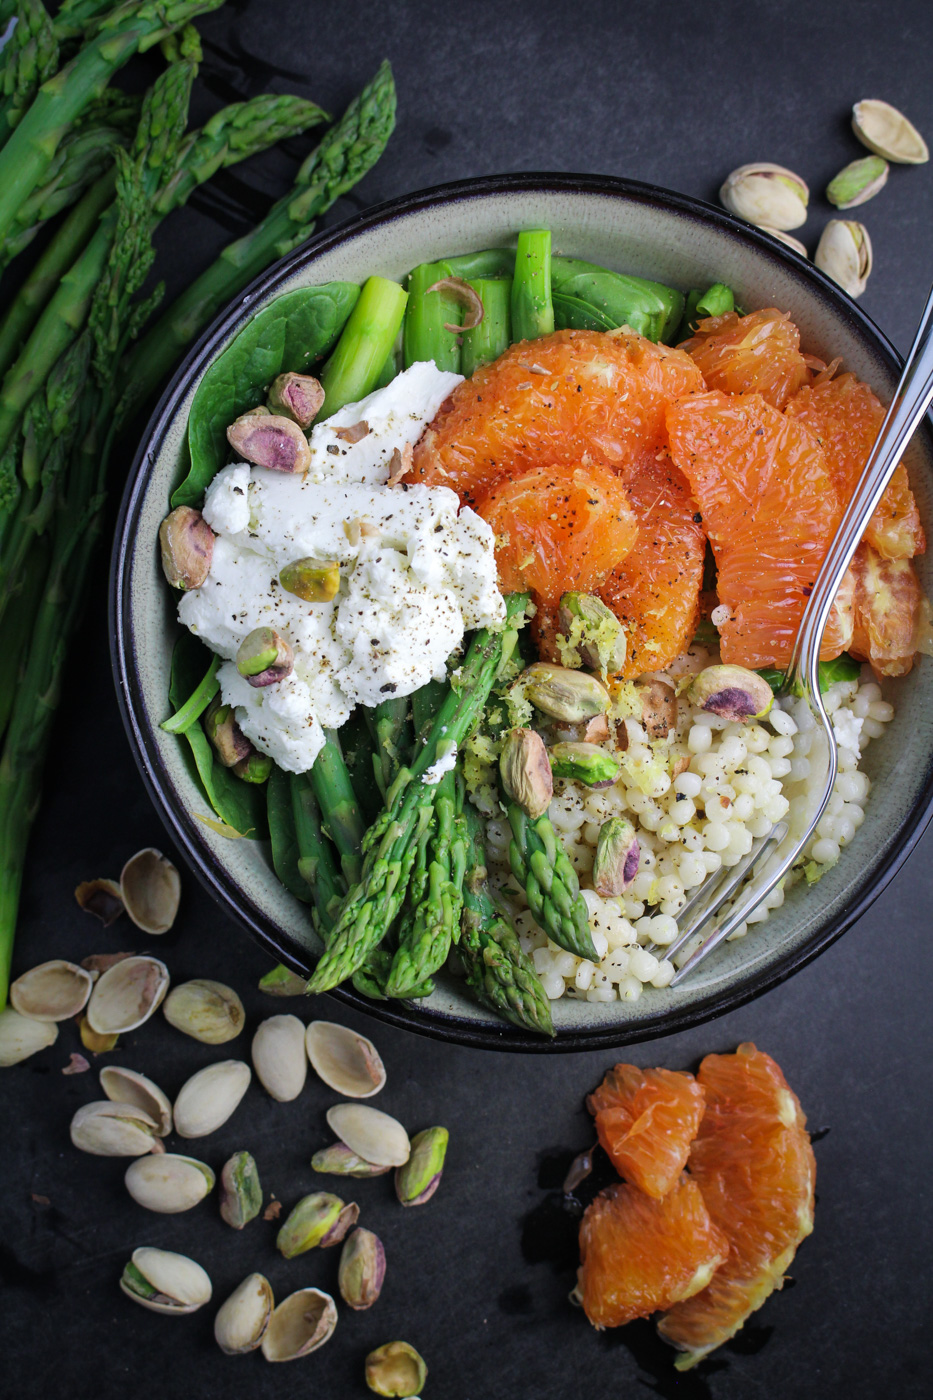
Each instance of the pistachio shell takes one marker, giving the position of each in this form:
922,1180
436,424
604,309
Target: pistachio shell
208,1098
300,1324
102,898
151,890
53,991
168,1183
127,1086
372,1135
844,254
240,1191
106,1129
345,1060
165,1282
126,995
207,1011
395,1369
887,132
766,194
241,1321
787,239
279,1057
21,1037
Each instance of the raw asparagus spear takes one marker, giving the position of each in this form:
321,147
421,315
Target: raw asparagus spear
540,864
532,309
497,971
29,58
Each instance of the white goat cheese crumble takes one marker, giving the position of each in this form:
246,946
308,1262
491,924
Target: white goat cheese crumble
416,572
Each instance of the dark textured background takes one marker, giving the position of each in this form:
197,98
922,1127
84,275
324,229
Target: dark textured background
677,94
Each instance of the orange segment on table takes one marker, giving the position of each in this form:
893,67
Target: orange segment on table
646,1120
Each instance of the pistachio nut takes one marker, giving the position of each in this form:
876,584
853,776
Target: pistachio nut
395,1369
617,855
419,1178
592,634
844,254
270,440
240,1191
21,1037
207,1011
887,132
254,768
53,991
297,396
226,737
731,692
280,981
858,182
102,898
787,239
345,1060
766,194
300,1324
106,1129
526,772
127,1086
186,542
279,1057
97,1043
362,1269
320,1219
241,1321
571,696
126,995
584,763
372,1135
658,707
208,1098
338,1160
151,890
311,580
165,1282
264,657
168,1183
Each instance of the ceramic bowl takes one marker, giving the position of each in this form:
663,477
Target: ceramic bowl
618,224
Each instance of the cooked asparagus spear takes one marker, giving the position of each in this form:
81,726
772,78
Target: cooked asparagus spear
532,309
424,336
540,864
388,725
340,810
29,57
492,337
316,863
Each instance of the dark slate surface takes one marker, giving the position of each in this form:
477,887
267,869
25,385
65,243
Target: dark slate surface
678,95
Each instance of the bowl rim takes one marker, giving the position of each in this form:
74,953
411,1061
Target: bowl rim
140,729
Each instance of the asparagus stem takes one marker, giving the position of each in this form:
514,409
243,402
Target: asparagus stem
340,811
424,336
16,628
30,56
492,337
199,699
532,309
365,342
540,864
388,725
316,863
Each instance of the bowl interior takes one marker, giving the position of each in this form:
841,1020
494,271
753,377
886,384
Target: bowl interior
630,228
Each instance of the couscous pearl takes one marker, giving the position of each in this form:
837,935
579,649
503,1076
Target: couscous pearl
583,977
683,812
775,809
688,783
743,808
825,852
861,704
757,739
780,767
642,964
663,930
871,691
872,729
662,977
711,860
783,724
553,985
629,989
759,825
699,740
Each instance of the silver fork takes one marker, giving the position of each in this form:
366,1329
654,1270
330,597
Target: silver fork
781,845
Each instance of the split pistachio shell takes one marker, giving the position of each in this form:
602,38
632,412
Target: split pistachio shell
318,1220
240,1191
571,696
525,771
208,1098
420,1177
362,1269
165,1282
126,995
53,991
395,1369
887,132
207,1011
372,1135
766,194
858,182
241,1321
102,898
168,1183
106,1129
844,254
299,1325
21,1037
340,1161
279,1057
151,890
345,1060
127,1086
787,239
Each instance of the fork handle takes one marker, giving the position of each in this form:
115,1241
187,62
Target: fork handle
911,400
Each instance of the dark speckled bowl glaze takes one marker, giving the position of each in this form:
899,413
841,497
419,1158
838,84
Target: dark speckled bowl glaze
637,229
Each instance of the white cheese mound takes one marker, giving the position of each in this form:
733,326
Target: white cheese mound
416,573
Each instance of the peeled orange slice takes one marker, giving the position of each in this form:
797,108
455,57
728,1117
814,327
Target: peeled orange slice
646,1120
755,354
892,616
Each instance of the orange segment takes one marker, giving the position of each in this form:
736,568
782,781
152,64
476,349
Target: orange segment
755,354
557,529
646,1120
844,416
770,510
753,1162
552,402
654,591
892,613
638,1255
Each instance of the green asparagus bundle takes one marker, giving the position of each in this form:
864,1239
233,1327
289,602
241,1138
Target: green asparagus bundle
540,864
30,56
